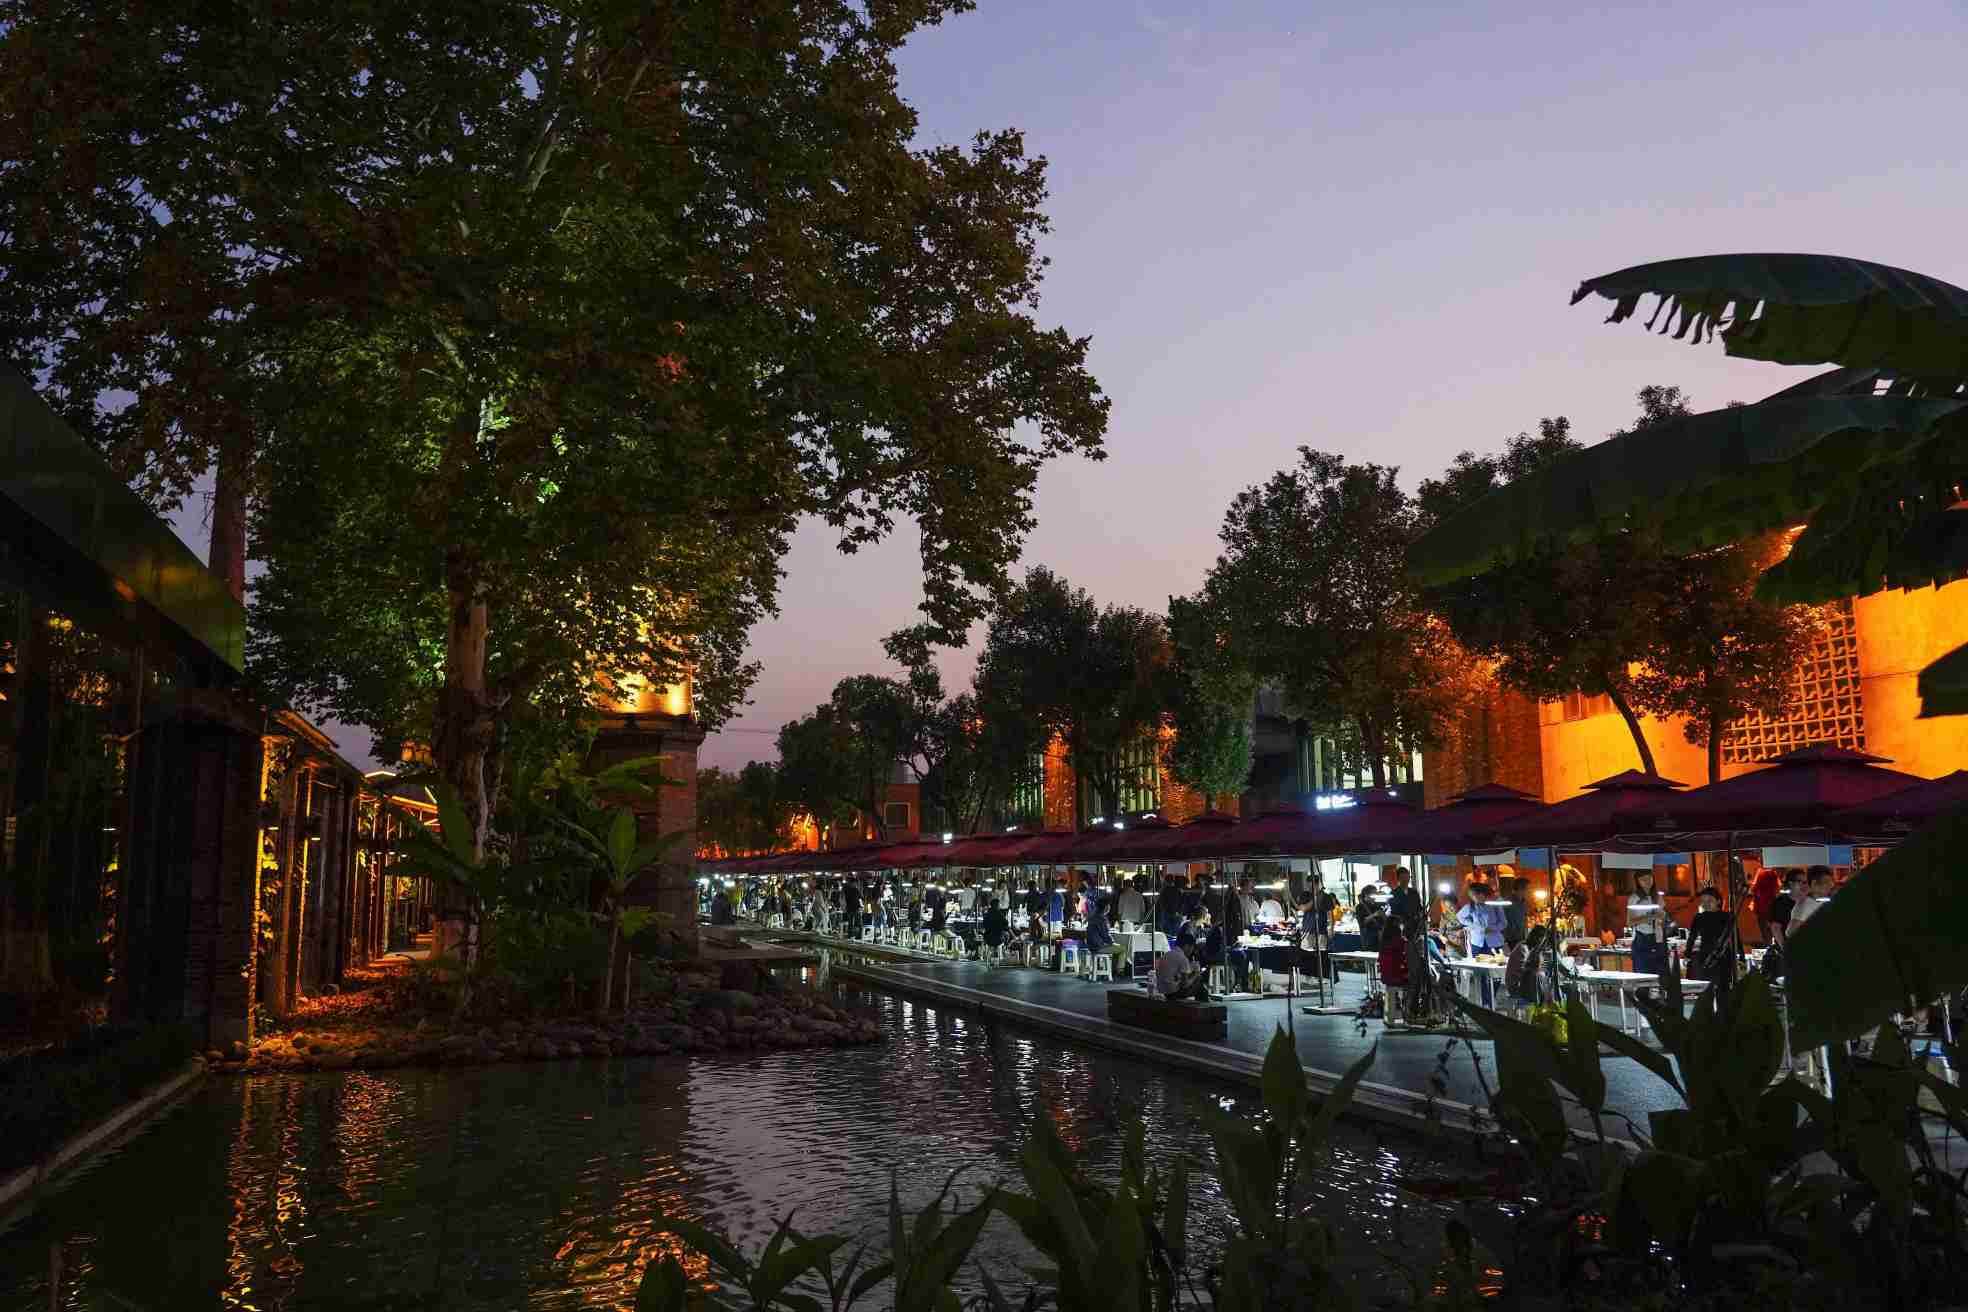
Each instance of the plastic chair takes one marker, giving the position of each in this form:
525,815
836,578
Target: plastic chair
1069,955
924,940
1103,967
869,934
1219,980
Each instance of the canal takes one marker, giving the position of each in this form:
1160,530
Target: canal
541,1185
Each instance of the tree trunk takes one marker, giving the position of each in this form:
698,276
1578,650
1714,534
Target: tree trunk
1620,704
1370,744
464,735
1718,724
227,554
608,974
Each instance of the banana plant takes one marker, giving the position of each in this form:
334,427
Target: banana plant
447,858
1873,453
608,837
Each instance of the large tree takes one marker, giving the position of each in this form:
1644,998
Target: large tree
741,811
523,283
838,760
1213,705
1309,596
1616,613
1097,677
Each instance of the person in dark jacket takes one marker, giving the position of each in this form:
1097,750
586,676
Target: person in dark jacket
1713,949
997,925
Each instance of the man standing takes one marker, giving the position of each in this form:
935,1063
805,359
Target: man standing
1483,925
1131,907
1404,902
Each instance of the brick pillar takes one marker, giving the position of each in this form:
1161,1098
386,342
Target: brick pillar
672,887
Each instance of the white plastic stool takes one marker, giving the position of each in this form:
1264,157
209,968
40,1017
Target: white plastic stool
1218,980
1069,955
869,934
1103,967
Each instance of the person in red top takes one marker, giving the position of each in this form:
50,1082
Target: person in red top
1394,963
1762,894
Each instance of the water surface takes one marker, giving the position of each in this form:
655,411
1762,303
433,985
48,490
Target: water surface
539,1185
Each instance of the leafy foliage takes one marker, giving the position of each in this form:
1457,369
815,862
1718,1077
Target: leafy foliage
1872,453
1212,703
479,279
1309,595
1096,677
742,812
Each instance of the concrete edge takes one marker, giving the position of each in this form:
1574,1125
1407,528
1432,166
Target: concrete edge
1382,1103
21,1186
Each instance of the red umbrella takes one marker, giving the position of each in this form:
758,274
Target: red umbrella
1800,790
1375,822
1089,845
1184,842
1471,821
1892,816
979,850
1247,838
1039,849
1626,802
1133,842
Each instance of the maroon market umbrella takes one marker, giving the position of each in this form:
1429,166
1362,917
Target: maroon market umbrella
1470,822
1623,803
979,850
1089,845
1034,848
1376,822
1185,842
1892,816
1247,838
1133,842
1801,789
913,855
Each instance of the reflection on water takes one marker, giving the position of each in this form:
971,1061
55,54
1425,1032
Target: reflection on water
540,1185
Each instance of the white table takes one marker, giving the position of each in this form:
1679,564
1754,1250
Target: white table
1371,960
1621,980
1468,967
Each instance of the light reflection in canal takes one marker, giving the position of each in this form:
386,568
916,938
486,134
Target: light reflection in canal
541,1184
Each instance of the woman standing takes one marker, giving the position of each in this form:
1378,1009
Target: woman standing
1647,918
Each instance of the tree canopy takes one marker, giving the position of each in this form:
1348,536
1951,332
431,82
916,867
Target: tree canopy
515,284
1097,677
1309,595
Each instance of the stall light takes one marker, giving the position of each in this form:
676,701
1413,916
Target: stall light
1500,902
948,837
1644,906
1219,885
1445,889
1541,895
1149,816
1119,825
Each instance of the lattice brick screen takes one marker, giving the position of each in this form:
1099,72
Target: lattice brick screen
1827,704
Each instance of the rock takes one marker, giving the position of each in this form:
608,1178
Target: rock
731,1000
334,1061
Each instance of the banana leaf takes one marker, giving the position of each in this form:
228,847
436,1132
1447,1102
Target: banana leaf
1815,309
1944,685
1893,936
1727,472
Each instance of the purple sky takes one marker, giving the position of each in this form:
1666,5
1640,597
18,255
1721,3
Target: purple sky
1356,227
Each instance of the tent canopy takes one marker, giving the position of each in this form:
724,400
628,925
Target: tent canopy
1629,800
1893,815
1472,821
1800,790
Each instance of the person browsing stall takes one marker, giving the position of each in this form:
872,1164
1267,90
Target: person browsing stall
1483,923
1711,939
1647,918
1783,908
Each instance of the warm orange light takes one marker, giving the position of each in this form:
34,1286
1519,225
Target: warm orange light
1541,894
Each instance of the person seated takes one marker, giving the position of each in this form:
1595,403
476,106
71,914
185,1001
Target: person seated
1524,974
997,925
1178,978
722,912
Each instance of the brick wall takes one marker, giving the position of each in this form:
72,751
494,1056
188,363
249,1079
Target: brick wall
1497,742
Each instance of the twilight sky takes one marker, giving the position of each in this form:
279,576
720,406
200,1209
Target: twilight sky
1356,227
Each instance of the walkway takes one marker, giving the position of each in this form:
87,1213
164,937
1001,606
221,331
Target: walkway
1397,1087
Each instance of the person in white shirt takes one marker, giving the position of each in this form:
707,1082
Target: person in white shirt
1176,977
1270,911
1131,908
1249,900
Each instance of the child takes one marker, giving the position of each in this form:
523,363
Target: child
1394,965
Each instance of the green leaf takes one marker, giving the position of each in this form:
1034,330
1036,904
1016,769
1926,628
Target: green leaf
1667,1189
711,1244
873,1276
1117,1283
1283,1081
621,841
1944,685
1723,475
1627,1046
454,826
1816,309
1334,1104
1175,1212
1054,1194
938,1260
1584,1077
664,1287
1892,936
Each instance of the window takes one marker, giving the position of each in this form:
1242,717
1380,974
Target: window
1028,797
1581,706
1826,704
895,815
1139,771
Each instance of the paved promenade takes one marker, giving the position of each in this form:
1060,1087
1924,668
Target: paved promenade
1397,1087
